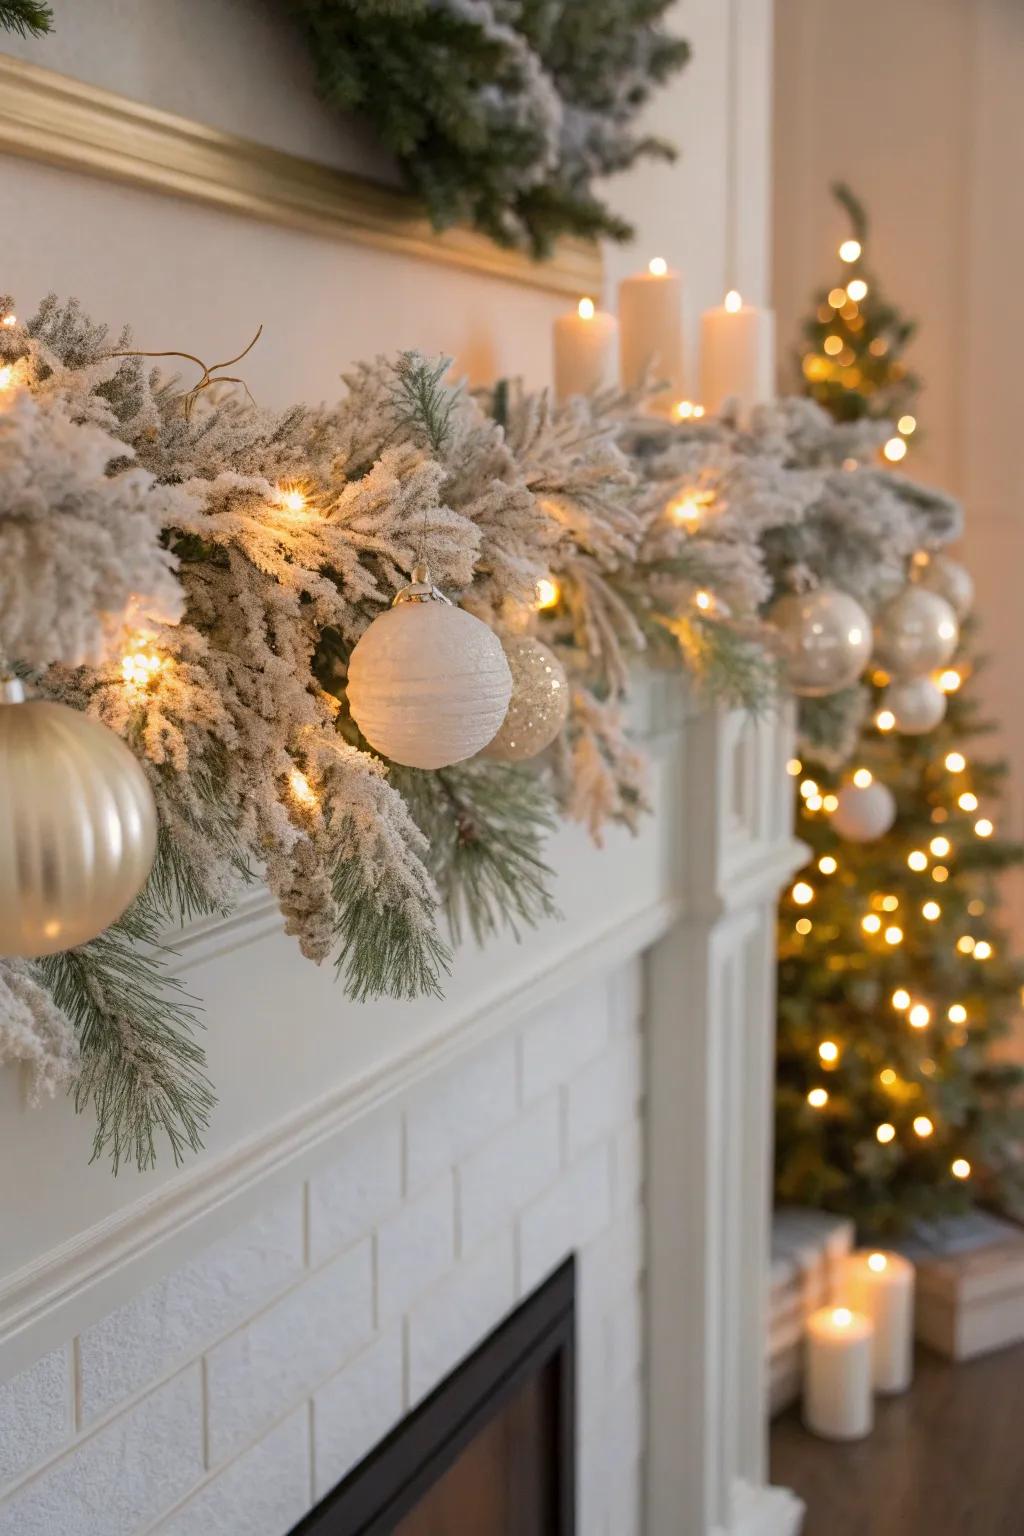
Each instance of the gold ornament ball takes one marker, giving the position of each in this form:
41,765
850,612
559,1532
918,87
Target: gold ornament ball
949,579
539,705
915,632
77,827
428,684
825,639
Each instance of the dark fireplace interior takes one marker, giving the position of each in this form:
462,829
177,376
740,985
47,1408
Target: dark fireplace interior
491,1452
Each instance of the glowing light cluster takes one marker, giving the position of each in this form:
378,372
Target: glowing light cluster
139,667
546,594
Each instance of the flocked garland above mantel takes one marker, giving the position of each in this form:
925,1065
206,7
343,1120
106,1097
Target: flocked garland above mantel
501,115
197,573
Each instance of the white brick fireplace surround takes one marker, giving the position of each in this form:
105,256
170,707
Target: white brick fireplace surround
209,1356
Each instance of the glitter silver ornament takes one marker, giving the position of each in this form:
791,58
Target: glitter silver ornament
539,704
428,684
949,579
915,633
864,812
826,640
77,826
916,705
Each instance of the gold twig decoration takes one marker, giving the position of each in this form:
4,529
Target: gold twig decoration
210,372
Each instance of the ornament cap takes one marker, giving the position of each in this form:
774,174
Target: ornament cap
420,589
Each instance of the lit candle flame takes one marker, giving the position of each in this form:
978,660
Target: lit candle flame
657,266
586,309
733,301
878,1262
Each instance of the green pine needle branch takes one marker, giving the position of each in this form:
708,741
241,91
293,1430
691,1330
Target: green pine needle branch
141,1067
29,18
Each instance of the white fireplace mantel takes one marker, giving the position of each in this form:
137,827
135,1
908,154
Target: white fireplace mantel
694,896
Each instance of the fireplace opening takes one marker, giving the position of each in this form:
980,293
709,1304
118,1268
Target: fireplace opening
491,1451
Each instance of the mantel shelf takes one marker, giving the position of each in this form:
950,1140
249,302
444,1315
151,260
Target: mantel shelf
66,122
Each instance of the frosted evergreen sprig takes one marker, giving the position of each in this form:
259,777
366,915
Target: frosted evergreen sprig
141,1069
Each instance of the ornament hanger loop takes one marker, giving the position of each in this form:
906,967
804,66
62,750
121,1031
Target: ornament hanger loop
420,589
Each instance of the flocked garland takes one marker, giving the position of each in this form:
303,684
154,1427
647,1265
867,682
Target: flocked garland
240,553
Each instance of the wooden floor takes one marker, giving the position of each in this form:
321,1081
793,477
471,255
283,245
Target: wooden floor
945,1459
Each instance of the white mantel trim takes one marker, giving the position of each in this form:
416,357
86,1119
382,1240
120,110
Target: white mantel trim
74,1285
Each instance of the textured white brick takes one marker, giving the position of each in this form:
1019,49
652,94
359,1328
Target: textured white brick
508,1171
625,1324
602,1095
457,1315
415,1247
123,1477
629,1159
361,1185
625,1501
617,1255
568,1215
264,1491
564,1036
173,1320
592,1483
35,1414
356,1408
258,1372
458,1109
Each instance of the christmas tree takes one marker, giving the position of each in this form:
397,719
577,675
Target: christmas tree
853,360
895,981
893,1102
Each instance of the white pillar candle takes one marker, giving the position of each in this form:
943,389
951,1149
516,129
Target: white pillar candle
881,1285
838,1402
584,346
737,355
651,330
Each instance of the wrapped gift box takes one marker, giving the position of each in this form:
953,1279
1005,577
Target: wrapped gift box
970,1284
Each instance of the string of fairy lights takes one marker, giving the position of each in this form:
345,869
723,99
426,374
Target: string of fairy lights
883,924
836,363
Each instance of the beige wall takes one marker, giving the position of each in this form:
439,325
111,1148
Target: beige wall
919,106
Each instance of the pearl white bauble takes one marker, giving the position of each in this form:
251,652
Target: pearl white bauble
917,705
915,633
77,827
863,814
428,684
949,579
826,640
539,704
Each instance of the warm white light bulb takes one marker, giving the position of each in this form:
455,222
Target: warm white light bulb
862,778
885,1132
960,1168
857,289
817,1098
895,449
849,250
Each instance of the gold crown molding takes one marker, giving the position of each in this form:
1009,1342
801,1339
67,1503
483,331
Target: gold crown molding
65,122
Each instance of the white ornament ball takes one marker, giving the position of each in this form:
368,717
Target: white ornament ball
77,827
428,684
949,579
917,706
863,814
915,633
826,640
539,705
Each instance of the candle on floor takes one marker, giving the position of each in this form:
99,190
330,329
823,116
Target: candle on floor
584,345
838,1402
737,355
881,1285
651,330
